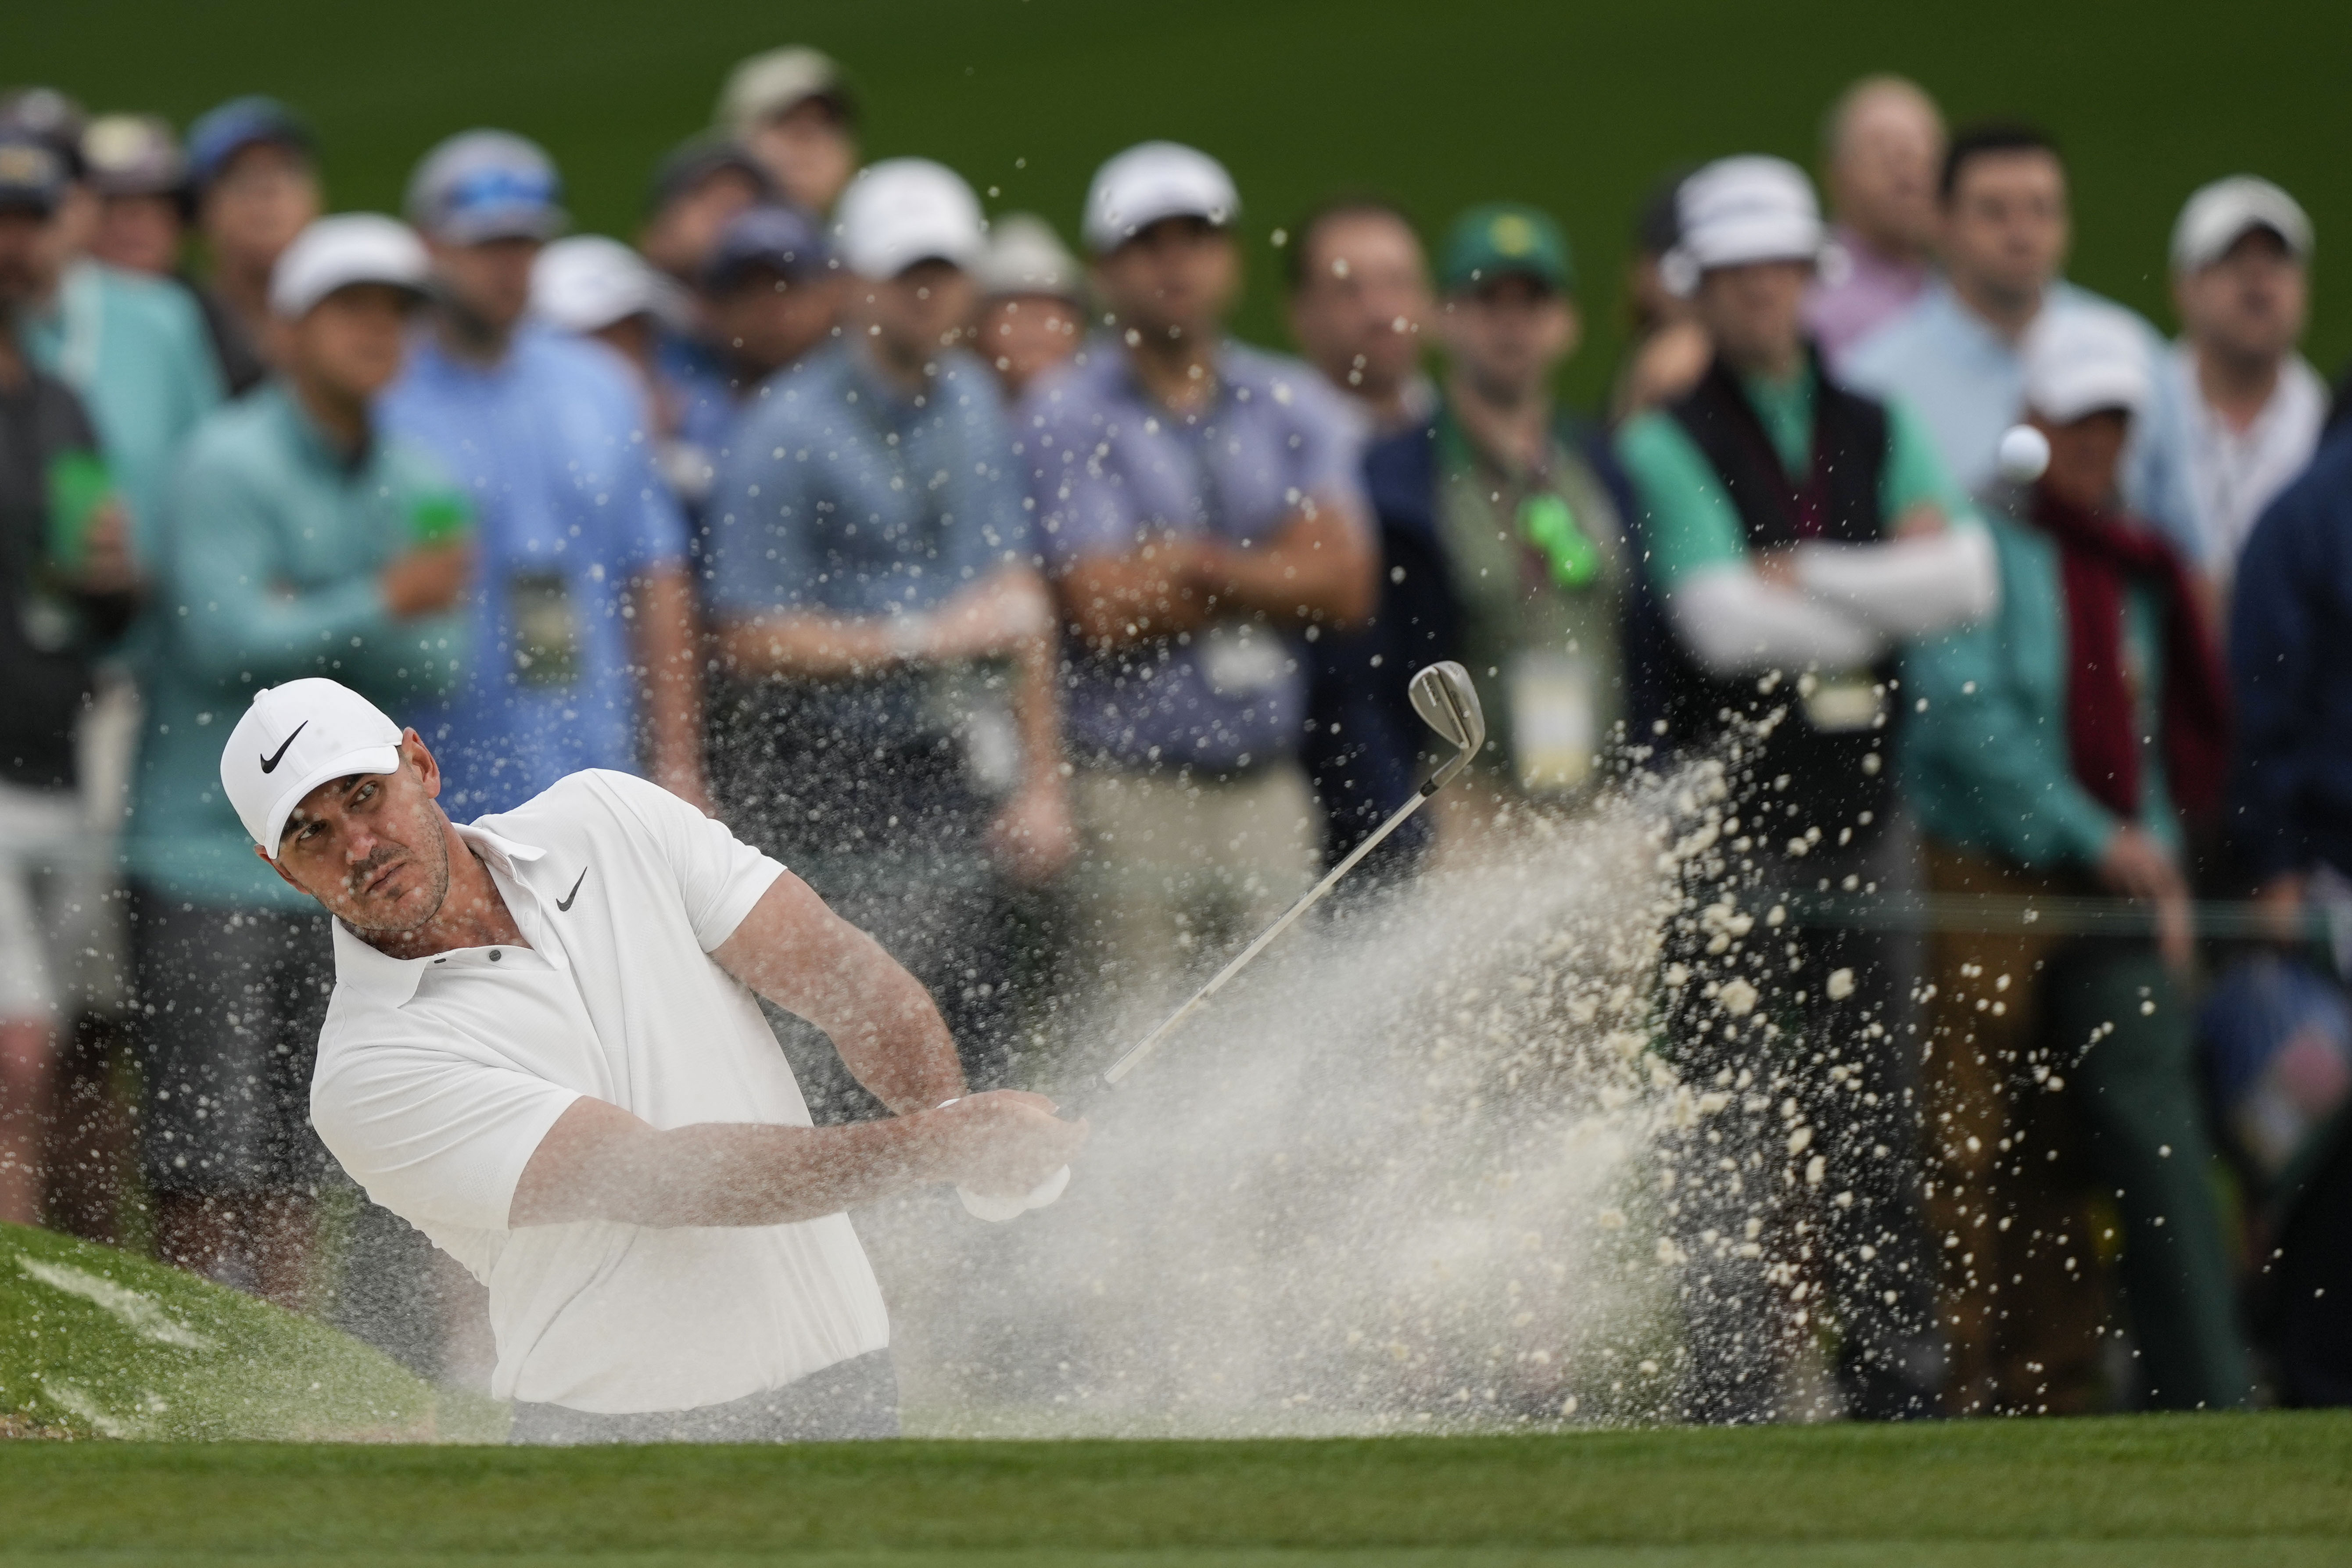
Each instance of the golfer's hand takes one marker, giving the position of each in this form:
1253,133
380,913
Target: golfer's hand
1007,1142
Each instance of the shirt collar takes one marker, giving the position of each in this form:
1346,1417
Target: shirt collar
1220,366
313,440
391,982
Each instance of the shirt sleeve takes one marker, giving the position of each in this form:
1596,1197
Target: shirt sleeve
653,529
220,588
759,502
1914,471
1081,508
992,529
1688,520
1329,455
719,877
436,1134
1982,765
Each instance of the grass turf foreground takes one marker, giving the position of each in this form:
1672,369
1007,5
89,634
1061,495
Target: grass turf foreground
96,1344
2150,1492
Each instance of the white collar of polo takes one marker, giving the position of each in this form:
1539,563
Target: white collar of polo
394,980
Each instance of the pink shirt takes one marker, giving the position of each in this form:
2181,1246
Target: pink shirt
1858,289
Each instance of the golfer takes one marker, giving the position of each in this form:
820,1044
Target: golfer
543,1050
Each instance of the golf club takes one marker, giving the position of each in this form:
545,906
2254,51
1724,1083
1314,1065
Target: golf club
1446,701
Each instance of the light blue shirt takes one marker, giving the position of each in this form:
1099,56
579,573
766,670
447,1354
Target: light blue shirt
1968,382
551,448
136,349
841,494
274,544
1110,466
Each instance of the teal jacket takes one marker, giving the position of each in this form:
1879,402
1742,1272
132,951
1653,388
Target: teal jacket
135,348
266,569
1984,758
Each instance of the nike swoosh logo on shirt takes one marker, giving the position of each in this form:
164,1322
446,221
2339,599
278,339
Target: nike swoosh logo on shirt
270,764
563,905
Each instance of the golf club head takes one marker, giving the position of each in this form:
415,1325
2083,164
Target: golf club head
1447,703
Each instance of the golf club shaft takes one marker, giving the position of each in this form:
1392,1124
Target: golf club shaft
1150,1042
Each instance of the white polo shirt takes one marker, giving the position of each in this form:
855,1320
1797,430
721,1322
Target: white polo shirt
438,1077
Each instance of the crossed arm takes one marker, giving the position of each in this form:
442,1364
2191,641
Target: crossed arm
1318,566
601,1162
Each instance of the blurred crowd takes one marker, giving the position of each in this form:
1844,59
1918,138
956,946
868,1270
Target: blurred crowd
1060,638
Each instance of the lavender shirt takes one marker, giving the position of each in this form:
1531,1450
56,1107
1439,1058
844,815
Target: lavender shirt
1109,468
1859,290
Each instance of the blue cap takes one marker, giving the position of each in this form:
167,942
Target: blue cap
783,239
33,173
483,186
222,133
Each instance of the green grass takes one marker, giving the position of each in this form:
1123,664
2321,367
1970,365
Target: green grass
2150,1491
97,1343
1579,107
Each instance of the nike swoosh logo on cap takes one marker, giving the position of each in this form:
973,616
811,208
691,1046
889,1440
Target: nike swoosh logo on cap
563,905
270,764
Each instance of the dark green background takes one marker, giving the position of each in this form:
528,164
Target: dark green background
1438,102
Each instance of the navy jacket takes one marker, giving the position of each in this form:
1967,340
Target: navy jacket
2291,670
1364,742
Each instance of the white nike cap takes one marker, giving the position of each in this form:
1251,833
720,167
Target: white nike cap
294,738
1152,181
905,210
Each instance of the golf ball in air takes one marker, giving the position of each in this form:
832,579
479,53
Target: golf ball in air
2024,453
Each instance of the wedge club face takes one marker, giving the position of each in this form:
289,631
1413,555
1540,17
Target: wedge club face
1446,701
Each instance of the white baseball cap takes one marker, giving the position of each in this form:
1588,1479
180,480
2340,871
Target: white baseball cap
905,210
587,282
1026,257
292,739
2224,213
2082,360
1737,211
1153,180
337,252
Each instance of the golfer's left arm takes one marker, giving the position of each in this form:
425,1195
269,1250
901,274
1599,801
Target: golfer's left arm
809,961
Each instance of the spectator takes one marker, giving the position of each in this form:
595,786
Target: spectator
1507,519
141,183
878,604
698,192
1799,535
773,291
792,110
582,618
1201,515
695,192
1033,306
596,286
1881,149
2248,407
1359,289
1670,351
253,168
2059,749
65,570
131,348
1956,355
303,539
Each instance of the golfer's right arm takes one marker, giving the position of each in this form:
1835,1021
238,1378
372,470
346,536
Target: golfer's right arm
600,1162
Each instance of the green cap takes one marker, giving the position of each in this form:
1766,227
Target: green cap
1506,239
